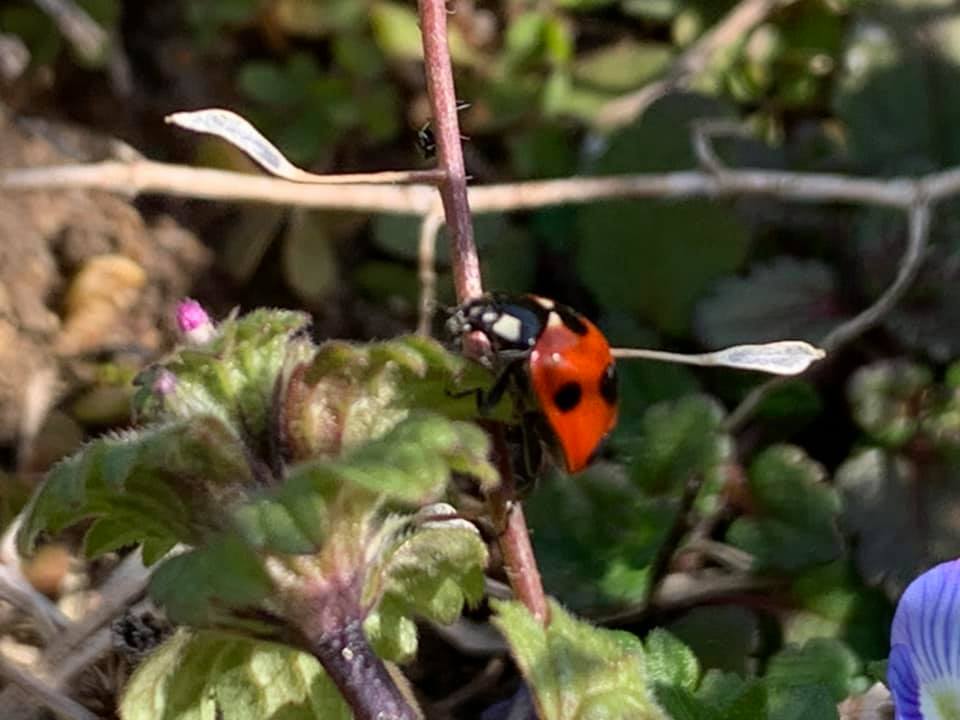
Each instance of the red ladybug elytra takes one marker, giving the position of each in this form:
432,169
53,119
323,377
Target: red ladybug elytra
559,356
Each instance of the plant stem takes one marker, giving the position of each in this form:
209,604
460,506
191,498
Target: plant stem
329,623
515,546
361,676
453,188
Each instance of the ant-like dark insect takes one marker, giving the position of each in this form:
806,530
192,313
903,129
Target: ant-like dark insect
427,141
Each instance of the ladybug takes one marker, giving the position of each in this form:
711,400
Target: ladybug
555,357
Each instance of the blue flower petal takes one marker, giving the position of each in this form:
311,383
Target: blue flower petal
902,681
924,669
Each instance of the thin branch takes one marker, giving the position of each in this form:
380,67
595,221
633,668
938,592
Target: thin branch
42,693
137,177
82,643
426,254
731,29
17,590
682,590
140,177
918,235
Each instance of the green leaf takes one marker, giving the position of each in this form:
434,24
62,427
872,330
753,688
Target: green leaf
350,393
681,704
670,662
206,675
233,376
794,525
833,602
725,637
622,65
396,30
200,588
782,298
596,536
733,697
902,514
653,258
136,485
825,665
410,465
888,399
576,671
310,263
884,60
807,702
679,440
429,571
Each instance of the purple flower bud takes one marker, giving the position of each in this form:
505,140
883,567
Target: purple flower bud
164,383
194,323
924,668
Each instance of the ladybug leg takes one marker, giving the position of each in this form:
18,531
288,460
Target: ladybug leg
489,399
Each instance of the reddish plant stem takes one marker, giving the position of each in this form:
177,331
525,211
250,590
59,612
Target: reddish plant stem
331,629
446,128
515,546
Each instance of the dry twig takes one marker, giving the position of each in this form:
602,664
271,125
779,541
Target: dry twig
139,177
43,693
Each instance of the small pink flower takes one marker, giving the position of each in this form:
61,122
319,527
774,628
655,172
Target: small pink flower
194,323
164,383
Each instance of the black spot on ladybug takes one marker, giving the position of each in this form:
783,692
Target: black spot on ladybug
571,320
608,384
568,396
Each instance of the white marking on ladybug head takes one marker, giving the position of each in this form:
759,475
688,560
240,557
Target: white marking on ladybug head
545,303
554,320
508,327
489,317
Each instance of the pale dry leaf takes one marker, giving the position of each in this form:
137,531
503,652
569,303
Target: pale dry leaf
786,357
237,131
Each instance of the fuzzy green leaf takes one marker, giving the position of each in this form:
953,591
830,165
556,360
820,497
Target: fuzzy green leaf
681,704
733,697
349,394
831,601
429,571
887,399
206,675
162,485
233,376
679,440
670,662
201,587
808,681
577,671
795,521
596,535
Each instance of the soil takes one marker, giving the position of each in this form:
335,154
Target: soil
83,274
